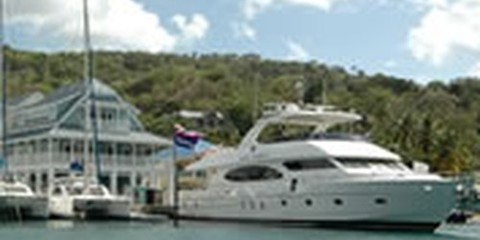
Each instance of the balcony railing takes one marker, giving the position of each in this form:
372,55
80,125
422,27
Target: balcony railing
63,160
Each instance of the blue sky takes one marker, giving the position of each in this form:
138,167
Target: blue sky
419,39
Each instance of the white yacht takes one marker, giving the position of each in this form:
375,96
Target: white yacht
18,202
317,179
81,198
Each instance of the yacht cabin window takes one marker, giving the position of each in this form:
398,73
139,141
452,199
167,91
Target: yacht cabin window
310,164
367,163
253,173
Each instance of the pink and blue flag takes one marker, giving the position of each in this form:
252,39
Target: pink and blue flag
184,138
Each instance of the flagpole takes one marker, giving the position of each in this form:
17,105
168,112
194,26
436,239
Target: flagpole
181,138
174,185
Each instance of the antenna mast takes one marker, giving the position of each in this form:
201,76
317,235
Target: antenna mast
4,88
89,84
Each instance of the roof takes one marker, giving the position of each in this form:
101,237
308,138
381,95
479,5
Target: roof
48,120
184,153
63,92
307,115
101,91
222,157
26,99
128,137
356,149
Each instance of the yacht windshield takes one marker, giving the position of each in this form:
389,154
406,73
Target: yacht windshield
96,191
284,132
76,190
370,163
291,132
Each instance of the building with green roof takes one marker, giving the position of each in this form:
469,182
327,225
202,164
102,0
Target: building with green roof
47,133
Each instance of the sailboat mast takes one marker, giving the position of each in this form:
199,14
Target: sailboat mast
4,89
90,87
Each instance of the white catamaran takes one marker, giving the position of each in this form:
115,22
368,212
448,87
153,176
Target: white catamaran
17,200
84,196
318,179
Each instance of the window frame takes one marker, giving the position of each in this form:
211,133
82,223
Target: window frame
269,173
309,164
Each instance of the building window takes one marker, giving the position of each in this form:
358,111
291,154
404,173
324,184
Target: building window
338,201
284,202
308,202
253,173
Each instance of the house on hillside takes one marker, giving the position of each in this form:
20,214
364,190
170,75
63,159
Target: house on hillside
202,119
47,133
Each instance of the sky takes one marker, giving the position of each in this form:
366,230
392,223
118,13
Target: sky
423,40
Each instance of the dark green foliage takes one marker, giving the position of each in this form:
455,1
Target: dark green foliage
438,123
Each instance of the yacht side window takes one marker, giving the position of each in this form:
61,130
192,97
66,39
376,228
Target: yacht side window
359,163
253,173
311,164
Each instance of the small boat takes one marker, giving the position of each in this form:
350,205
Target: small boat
17,199
314,177
18,202
83,198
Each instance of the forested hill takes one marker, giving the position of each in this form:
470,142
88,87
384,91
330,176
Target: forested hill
438,123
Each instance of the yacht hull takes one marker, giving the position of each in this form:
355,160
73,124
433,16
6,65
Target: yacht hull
102,208
24,207
388,205
99,209
361,225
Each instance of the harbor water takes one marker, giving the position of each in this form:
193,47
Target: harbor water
67,230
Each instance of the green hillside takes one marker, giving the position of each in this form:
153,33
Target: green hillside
438,123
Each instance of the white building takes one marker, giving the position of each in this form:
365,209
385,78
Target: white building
47,133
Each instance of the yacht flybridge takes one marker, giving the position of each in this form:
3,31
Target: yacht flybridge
314,178
83,198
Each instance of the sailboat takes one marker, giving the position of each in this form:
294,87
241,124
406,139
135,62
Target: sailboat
17,200
81,195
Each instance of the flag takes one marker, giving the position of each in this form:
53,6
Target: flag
184,138
76,166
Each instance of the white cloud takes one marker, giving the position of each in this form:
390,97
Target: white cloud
447,26
390,64
296,52
115,24
430,3
475,70
244,30
193,30
251,8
